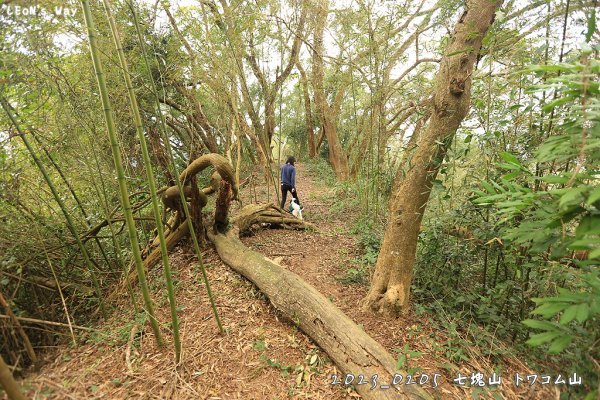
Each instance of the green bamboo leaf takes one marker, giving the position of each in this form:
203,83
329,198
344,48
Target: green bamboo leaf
510,158
537,324
584,244
571,197
401,361
589,225
558,102
560,344
594,254
567,295
591,25
554,179
511,176
569,314
549,309
541,338
594,196
509,166
583,312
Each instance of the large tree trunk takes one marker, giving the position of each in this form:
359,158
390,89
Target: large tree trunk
352,350
327,119
390,287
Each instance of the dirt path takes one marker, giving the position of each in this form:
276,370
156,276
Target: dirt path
262,356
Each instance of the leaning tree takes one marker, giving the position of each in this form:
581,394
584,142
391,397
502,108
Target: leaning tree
390,286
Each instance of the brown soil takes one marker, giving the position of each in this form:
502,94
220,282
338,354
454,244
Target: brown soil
262,356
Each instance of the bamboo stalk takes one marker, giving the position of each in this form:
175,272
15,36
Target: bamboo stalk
124,193
8,382
73,194
117,249
173,169
150,176
50,323
70,224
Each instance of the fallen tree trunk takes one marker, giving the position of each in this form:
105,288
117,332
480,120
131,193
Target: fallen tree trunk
350,348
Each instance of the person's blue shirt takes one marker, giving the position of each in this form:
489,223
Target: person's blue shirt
288,175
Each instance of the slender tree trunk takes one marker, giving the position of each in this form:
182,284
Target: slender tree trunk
310,132
198,119
390,287
337,156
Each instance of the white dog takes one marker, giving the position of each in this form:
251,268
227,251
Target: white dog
296,209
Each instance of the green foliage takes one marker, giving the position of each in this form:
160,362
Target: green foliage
369,242
285,369
117,334
259,345
358,275
570,316
406,358
554,214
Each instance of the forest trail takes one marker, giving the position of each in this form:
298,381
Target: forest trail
262,356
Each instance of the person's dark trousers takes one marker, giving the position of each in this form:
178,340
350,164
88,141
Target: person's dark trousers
287,188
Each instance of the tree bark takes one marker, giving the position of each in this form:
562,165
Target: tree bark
197,119
327,120
390,287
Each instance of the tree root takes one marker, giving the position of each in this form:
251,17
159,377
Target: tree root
266,213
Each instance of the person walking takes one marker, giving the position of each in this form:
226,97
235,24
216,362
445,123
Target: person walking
288,181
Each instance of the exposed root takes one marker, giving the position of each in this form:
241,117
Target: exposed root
388,303
266,213
220,163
